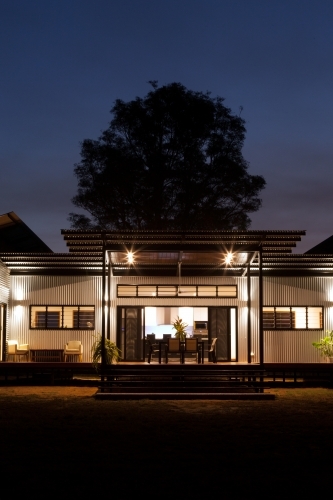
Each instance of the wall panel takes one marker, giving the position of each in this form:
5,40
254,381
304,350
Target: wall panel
295,346
53,290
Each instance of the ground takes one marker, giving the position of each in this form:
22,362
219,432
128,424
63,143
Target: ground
61,440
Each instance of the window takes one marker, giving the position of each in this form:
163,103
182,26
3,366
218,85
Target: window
292,318
210,291
62,317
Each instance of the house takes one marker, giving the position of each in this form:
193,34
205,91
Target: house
263,303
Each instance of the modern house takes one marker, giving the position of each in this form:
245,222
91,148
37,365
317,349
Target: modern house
264,303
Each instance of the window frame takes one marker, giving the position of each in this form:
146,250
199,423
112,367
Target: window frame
62,310
159,291
292,320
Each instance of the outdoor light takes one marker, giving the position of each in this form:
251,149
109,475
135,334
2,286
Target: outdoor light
130,257
229,258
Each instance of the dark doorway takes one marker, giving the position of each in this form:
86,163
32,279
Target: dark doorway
130,333
220,327
2,332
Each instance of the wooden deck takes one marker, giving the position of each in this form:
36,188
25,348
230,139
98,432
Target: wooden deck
44,372
190,380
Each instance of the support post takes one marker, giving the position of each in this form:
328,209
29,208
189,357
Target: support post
109,299
103,307
261,302
249,333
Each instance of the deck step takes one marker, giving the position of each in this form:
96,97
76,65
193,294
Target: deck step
185,395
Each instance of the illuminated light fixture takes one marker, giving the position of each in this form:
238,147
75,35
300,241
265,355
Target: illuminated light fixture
229,258
130,257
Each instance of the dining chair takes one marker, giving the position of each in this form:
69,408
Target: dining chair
173,346
212,351
152,348
191,346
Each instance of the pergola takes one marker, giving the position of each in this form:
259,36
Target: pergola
180,253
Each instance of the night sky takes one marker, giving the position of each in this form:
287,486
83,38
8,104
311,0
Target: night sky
64,62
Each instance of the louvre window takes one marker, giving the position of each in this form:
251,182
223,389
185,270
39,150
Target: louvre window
292,318
62,317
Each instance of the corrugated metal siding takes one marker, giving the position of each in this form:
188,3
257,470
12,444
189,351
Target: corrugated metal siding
296,345
280,346
4,283
53,290
294,291
291,347
4,299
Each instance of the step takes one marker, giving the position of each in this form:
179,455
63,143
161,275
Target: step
186,395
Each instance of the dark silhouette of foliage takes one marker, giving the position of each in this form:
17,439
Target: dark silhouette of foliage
170,160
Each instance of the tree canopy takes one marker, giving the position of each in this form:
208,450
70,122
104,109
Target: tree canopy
170,160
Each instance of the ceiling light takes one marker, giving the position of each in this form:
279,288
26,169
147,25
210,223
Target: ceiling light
229,258
130,257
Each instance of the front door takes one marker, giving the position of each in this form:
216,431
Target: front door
130,333
221,321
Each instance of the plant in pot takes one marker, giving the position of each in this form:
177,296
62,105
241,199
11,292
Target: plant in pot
112,353
325,345
180,326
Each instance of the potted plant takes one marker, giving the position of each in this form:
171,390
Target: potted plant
180,326
325,345
112,353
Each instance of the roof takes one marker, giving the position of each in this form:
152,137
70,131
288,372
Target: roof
93,240
16,236
325,247
189,253
175,253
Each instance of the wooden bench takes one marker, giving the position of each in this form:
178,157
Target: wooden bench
42,355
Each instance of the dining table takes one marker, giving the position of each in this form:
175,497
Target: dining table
201,345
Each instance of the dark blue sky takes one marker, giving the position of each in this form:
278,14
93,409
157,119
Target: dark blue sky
64,62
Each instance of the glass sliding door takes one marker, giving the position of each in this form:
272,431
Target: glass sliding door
130,335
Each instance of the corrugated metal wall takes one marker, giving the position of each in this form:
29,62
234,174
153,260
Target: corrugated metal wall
4,283
280,346
4,299
53,290
296,345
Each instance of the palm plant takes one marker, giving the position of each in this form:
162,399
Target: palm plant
325,345
180,326
112,353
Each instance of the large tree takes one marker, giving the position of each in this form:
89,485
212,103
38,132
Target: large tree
170,160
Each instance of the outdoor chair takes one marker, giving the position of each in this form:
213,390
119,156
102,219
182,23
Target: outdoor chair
191,346
152,348
73,348
14,350
172,347
212,351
